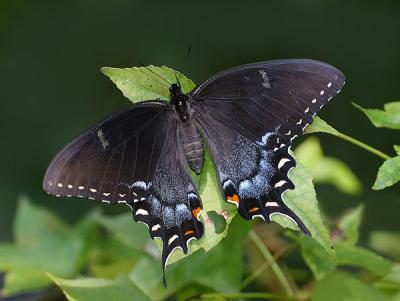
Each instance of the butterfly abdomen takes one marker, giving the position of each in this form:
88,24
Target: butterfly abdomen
192,144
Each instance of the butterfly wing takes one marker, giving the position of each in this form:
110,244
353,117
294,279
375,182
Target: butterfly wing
134,157
249,116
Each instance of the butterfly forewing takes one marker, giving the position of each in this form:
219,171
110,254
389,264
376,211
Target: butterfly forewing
134,157
102,162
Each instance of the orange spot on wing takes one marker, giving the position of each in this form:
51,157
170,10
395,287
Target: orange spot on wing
234,198
196,212
253,209
188,232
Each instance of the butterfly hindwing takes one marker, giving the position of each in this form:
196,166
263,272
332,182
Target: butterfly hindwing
249,116
251,176
134,157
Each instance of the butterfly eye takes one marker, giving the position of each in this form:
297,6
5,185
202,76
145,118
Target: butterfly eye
174,89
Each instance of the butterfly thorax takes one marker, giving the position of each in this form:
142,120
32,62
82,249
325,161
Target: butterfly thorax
189,135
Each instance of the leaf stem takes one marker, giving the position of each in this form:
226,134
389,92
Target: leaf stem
364,146
272,262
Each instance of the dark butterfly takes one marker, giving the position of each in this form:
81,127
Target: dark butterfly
247,115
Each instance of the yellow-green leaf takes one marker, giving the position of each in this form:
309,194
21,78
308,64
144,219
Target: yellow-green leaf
147,83
320,126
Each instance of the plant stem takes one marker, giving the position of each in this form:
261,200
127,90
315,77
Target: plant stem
265,296
364,146
265,266
272,262
262,268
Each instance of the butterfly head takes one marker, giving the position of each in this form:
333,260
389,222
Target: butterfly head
175,90
178,99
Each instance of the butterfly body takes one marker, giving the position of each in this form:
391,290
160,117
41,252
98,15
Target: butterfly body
247,116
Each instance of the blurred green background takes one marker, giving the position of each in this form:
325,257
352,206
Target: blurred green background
51,88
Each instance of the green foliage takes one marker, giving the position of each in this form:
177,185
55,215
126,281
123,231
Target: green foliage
349,224
327,170
113,258
388,174
93,289
303,202
342,287
387,118
43,244
387,243
317,258
347,254
219,269
391,281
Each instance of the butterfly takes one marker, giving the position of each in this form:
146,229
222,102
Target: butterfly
246,116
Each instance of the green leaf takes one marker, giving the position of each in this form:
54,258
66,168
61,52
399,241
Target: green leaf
320,126
327,170
391,281
111,257
388,174
219,269
317,258
124,228
388,118
386,243
94,289
303,201
397,149
350,255
349,224
43,244
147,83
342,287
321,263
21,279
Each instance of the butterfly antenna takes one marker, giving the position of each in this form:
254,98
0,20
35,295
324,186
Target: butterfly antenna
184,64
148,69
